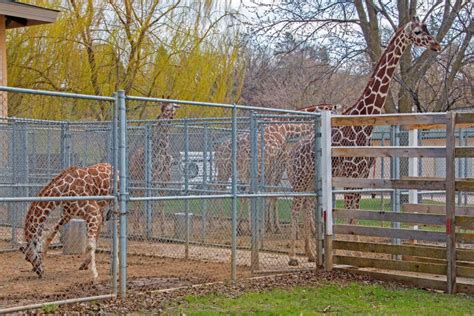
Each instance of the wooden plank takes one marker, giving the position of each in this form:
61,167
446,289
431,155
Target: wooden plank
424,208
389,232
405,250
466,185
417,281
412,266
343,182
389,119
466,222
466,237
388,151
465,254
462,118
436,209
462,152
451,201
429,219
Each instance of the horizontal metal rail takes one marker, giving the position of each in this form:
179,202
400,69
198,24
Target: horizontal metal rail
56,94
219,196
56,198
61,302
221,105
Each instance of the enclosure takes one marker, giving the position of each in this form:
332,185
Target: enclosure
209,199
186,216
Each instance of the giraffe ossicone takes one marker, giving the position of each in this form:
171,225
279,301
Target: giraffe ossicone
371,101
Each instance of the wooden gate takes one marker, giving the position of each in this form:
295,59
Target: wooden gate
440,254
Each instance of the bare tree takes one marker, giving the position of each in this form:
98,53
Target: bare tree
355,31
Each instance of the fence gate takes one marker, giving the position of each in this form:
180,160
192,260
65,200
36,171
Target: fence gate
424,239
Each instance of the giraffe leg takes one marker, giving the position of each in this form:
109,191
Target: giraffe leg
63,220
94,220
297,205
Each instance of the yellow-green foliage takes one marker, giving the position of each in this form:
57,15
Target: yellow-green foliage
178,49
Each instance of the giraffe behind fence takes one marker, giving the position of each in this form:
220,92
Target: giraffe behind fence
95,180
302,157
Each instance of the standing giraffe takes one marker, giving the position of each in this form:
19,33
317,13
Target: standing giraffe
95,180
302,157
275,153
161,157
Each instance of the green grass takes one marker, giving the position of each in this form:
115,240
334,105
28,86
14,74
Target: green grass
350,299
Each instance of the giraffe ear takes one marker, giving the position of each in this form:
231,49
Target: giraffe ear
415,19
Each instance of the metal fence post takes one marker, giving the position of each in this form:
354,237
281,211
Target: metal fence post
234,196
451,201
13,209
204,202
148,180
123,173
261,186
65,145
395,174
326,189
115,161
317,212
186,186
254,260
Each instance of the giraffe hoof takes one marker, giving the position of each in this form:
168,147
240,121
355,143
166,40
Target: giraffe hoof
293,262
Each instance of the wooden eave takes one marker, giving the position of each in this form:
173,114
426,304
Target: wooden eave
21,14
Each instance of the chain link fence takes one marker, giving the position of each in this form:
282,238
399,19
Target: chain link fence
202,199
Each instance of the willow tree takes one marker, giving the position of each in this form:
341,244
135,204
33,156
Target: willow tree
179,49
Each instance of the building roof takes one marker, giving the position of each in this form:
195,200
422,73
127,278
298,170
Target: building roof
21,14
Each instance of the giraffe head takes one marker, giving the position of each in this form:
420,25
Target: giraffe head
33,255
168,111
420,36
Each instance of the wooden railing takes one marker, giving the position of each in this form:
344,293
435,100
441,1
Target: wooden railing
448,261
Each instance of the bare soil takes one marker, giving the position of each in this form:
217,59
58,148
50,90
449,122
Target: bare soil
62,279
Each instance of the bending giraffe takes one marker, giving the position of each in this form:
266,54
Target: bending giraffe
275,153
302,157
161,159
95,180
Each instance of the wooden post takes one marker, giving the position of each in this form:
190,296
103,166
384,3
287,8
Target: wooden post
326,190
3,67
451,201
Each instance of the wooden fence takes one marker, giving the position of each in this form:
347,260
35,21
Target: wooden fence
439,247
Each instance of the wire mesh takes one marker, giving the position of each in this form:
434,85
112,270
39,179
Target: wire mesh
34,153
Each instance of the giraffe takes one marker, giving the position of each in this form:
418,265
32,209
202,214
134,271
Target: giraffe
275,153
372,100
161,153
95,180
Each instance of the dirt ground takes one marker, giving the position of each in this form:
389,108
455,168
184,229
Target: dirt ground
62,279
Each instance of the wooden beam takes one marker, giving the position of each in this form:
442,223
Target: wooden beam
386,151
412,266
466,222
436,209
343,182
390,232
464,152
466,237
389,119
429,219
465,185
464,118
405,250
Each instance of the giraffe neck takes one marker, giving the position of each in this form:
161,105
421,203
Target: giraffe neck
291,130
39,211
375,93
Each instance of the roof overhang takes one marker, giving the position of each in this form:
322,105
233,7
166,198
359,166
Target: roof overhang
20,14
